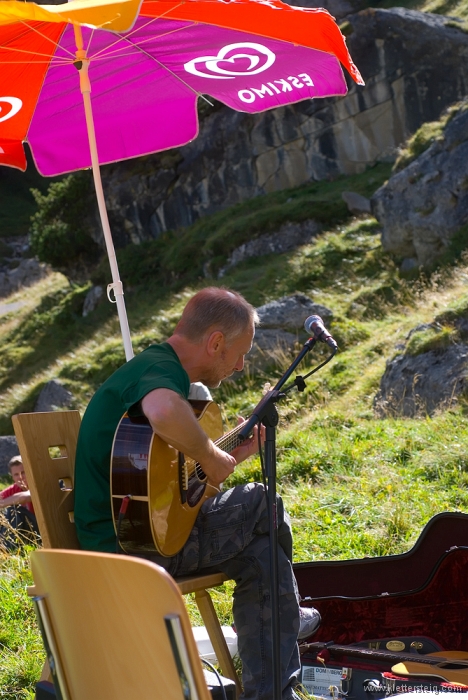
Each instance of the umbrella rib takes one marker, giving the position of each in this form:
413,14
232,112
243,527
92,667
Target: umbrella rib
137,29
90,39
44,36
29,63
100,57
199,94
34,53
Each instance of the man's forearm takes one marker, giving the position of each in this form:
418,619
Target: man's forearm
174,421
16,499
172,418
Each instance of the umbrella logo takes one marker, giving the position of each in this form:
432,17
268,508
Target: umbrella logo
15,104
259,56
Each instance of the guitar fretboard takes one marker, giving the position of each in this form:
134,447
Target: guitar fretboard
387,656
226,443
230,440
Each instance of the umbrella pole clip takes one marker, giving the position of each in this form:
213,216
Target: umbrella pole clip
114,289
82,61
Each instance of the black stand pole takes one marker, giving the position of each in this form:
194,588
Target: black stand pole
270,421
266,413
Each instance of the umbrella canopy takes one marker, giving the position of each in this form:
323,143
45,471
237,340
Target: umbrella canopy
146,64
146,81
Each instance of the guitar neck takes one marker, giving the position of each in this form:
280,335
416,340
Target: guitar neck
336,650
230,440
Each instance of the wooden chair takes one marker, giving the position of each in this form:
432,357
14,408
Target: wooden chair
131,645
47,443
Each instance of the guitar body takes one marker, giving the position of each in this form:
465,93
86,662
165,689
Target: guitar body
166,489
452,667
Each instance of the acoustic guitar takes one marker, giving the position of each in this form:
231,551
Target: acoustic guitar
450,666
163,490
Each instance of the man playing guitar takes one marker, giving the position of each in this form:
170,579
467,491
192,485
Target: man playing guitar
209,343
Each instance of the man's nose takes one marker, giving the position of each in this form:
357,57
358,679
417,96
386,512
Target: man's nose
239,364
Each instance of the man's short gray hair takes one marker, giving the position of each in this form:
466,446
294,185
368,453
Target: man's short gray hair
216,308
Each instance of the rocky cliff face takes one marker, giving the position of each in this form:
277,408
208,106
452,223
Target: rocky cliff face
414,65
424,205
339,9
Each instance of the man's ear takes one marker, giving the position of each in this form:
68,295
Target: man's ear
215,343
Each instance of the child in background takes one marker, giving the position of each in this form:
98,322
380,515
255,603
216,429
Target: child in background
16,507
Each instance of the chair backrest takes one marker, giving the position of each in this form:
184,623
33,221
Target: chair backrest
47,444
110,620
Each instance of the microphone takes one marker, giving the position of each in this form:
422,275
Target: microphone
314,326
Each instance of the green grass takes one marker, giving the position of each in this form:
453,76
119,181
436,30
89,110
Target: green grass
452,8
427,134
22,655
431,339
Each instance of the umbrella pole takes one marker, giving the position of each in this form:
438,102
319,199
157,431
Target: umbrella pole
82,63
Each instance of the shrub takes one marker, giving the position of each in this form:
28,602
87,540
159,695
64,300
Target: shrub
60,230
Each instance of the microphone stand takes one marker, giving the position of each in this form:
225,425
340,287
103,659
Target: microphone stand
267,414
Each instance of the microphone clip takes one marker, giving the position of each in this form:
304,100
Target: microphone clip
299,382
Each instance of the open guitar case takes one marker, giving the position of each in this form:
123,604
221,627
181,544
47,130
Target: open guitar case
410,604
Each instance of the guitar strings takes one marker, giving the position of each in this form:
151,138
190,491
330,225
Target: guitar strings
226,443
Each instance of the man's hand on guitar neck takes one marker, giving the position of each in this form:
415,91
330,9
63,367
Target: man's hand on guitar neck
172,418
250,446
245,450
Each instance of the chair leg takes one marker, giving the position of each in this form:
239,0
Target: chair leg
46,674
215,633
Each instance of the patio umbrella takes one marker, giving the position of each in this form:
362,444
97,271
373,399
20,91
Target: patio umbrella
146,65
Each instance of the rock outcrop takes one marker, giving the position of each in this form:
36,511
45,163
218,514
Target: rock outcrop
291,312
53,396
8,449
430,372
92,299
271,346
28,272
356,203
415,65
418,385
424,205
288,237
281,326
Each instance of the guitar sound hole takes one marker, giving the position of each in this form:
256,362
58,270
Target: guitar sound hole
193,485
199,473
195,491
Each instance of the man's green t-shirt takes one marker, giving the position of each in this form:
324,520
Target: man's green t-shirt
157,367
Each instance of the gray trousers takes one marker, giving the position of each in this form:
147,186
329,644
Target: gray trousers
231,535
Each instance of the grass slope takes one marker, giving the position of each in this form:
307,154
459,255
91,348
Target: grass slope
355,485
